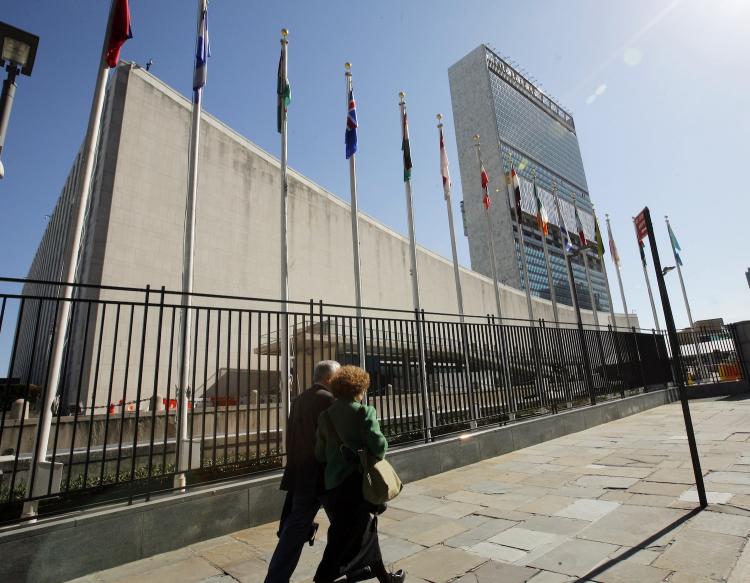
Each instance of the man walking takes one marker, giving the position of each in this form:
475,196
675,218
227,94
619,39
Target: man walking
303,475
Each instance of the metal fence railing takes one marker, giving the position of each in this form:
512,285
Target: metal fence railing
114,420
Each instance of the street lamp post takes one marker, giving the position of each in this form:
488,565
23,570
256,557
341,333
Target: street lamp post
17,54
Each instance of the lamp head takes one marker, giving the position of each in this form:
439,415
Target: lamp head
17,47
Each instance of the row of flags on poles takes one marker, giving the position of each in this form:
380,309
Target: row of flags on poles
121,31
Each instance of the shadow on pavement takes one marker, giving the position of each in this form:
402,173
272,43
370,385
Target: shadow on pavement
639,547
740,397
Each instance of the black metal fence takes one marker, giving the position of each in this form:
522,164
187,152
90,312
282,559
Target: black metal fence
114,431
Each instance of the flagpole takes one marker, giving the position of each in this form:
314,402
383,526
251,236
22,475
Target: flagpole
600,252
616,261
551,282
355,233
188,260
427,409
585,255
678,263
645,275
284,244
456,274
564,228
454,251
522,244
490,238
88,158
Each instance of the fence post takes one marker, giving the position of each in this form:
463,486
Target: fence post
474,411
656,346
638,359
154,396
539,378
426,405
587,364
509,397
614,335
139,386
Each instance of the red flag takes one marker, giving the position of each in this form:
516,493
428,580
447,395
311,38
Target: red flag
486,200
119,32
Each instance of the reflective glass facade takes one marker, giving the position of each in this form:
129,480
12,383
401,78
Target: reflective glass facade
542,145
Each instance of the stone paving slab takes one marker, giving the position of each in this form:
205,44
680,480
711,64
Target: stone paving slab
440,564
587,506
698,553
586,509
576,557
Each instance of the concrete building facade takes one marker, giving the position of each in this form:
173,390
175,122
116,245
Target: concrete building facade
517,122
134,237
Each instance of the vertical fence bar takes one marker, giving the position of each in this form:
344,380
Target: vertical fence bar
155,393
93,397
140,383
24,404
109,394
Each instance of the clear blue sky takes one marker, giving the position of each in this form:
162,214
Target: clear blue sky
658,88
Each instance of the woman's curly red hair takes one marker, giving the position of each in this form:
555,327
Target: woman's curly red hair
350,382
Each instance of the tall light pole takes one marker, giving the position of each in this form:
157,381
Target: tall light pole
17,54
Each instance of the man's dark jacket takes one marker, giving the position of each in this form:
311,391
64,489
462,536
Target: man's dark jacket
303,474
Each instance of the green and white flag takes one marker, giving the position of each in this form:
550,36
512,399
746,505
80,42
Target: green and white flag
283,91
405,147
675,246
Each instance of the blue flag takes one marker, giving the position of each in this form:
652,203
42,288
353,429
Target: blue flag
351,127
202,52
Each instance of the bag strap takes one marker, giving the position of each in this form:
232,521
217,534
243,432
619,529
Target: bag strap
362,452
337,437
333,426
362,414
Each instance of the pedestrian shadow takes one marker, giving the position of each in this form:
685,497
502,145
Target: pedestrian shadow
639,547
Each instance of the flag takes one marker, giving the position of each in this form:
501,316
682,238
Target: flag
283,91
351,127
613,247
564,234
579,228
675,245
641,247
541,213
486,200
202,52
119,32
516,186
567,243
444,167
405,147
598,238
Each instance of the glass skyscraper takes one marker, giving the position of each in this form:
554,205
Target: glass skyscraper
519,125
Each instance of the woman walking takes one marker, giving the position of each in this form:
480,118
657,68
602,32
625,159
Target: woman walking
346,427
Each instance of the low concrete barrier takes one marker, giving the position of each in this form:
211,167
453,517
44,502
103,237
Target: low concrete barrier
58,549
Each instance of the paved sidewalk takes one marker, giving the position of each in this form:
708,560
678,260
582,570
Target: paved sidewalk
610,504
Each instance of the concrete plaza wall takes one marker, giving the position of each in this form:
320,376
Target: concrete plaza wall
51,550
